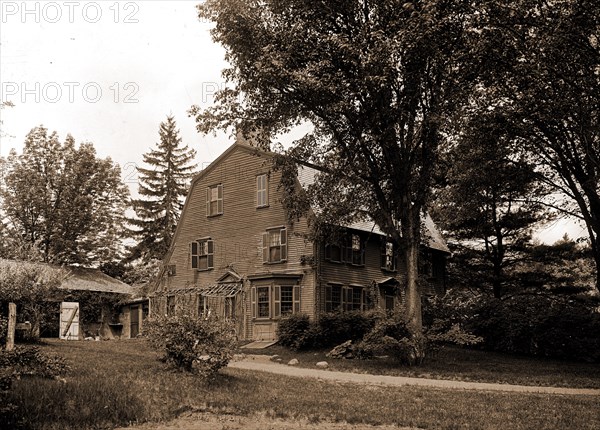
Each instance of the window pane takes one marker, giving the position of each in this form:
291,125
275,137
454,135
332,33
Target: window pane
263,302
214,194
287,300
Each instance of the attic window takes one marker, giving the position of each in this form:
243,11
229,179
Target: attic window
262,193
214,200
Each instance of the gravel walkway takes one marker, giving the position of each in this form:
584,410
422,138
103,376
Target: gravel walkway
263,363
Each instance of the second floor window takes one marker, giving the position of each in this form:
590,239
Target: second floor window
262,191
388,256
350,249
202,252
214,200
274,245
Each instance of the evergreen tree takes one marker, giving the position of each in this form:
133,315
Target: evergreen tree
161,187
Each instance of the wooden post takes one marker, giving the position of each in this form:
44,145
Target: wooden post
12,324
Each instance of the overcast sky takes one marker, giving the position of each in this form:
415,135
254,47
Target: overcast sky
110,72
107,72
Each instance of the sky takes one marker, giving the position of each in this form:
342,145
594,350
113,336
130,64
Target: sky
109,72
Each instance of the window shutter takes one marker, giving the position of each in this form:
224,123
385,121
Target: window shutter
194,254
296,299
208,201
265,247
283,244
383,254
220,198
363,251
253,301
277,301
328,252
210,251
258,199
266,188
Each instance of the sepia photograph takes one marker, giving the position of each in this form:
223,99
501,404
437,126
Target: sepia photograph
291,214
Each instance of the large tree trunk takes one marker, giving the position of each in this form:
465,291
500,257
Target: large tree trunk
414,318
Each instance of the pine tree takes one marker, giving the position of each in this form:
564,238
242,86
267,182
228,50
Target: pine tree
161,187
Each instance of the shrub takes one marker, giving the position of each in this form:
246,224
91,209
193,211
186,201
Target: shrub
390,336
198,345
335,328
296,331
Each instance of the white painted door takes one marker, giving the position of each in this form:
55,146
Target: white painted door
69,321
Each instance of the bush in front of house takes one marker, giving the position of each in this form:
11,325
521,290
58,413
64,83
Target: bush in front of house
334,328
390,336
296,331
198,345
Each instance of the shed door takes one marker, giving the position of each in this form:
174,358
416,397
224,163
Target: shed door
134,321
69,321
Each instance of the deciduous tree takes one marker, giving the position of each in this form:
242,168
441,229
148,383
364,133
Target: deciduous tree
545,76
64,200
376,80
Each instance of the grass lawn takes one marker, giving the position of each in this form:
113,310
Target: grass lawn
460,364
121,382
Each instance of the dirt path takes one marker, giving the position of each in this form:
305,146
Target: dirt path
263,363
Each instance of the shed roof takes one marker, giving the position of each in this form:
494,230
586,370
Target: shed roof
79,278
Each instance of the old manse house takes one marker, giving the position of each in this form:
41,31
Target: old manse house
235,254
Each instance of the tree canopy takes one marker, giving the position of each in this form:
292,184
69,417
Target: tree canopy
63,200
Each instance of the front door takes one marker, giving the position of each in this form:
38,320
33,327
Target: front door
134,321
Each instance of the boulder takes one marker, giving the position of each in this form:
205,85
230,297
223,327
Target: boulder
344,350
293,362
322,365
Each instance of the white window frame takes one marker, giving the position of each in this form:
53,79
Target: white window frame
262,190
214,197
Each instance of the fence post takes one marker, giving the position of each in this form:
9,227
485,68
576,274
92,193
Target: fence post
12,323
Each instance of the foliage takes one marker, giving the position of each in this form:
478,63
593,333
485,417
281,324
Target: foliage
391,336
162,186
334,328
29,286
93,305
199,345
543,78
64,200
490,196
292,331
534,323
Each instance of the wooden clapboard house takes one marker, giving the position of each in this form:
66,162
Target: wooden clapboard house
235,254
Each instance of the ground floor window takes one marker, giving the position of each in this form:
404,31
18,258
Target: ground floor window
347,298
275,301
